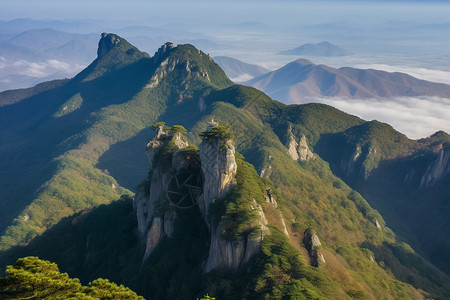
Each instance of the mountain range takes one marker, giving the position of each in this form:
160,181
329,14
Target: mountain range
159,173
58,44
32,52
301,80
318,49
38,55
239,71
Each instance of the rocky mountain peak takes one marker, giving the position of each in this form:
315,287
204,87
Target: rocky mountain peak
107,42
113,53
163,51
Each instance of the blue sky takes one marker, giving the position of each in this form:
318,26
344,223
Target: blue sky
280,12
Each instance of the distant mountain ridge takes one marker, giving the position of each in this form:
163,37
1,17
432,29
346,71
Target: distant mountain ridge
318,49
38,55
237,70
301,79
59,44
34,51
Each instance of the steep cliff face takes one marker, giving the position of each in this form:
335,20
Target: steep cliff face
106,43
162,52
152,225
438,169
219,169
314,247
231,254
298,148
360,162
348,164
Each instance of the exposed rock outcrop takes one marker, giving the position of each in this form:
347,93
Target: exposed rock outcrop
360,162
303,150
106,43
162,52
283,224
292,148
313,245
265,171
231,254
348,164
270,198
298,149
219,169
165,67
377,224
151,226
439,168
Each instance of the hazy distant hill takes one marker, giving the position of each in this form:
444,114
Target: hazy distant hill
59,44
11,51
17,26
237,70
319,49
300,80
38,55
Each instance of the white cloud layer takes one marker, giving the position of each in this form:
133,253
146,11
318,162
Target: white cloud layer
242,78
421,73
37,69
416,117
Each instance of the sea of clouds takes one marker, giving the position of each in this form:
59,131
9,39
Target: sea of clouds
440,76
23,73
36,68
417,117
